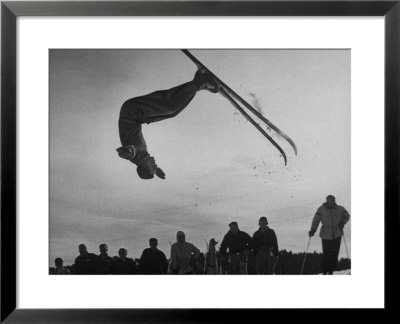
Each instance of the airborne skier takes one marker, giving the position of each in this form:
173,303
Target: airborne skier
154,107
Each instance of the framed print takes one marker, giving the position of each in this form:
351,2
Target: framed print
164,138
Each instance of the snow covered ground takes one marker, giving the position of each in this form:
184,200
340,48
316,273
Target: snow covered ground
342,272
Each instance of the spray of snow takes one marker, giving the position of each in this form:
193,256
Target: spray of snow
256,102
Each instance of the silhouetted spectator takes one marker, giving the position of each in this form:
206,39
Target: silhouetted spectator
239,245
60,269
86,263
183,255
124,265
105,261
265,247
153,261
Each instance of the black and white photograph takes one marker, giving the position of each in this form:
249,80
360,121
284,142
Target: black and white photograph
199,161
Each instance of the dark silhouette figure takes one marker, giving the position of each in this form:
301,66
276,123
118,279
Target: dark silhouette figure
265,248
60,269
239,244
153,261
86,263
105,261
123,265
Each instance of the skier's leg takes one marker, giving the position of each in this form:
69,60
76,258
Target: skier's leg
260,262
270,264
234,264
325,257
335,252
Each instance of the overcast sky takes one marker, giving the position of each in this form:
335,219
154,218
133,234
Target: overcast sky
218,167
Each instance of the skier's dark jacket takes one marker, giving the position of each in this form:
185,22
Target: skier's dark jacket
123,267
104,264
236,243
86,264
265,238
153,262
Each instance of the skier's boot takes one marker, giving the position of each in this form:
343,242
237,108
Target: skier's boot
205,81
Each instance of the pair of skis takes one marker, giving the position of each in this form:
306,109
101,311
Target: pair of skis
235,99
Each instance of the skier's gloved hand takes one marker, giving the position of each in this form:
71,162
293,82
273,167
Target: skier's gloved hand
311,233
341,225
127,152
160,173
205,81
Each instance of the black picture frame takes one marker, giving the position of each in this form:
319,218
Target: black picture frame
11,10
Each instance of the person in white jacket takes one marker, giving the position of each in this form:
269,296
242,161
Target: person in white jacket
183,255
333,218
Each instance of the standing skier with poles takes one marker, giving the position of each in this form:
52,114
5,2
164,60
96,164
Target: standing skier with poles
333,218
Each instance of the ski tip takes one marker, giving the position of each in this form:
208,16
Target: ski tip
284,158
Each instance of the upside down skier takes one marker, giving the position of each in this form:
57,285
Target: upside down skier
150,108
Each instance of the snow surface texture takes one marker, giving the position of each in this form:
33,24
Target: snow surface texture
342,272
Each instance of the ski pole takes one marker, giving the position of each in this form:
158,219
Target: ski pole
345,245
305,255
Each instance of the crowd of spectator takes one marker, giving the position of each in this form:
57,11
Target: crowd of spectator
239,253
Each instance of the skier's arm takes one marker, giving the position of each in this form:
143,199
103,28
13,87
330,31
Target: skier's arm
164,263
345,219
255,244
346,216
316,220
142,262
196,252
224,246
275,244
174,259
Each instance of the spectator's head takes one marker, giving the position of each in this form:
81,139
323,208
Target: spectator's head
153,243
82,249
59,262
103,248
263,222
146,168
180,237
234,227
330,201
122,253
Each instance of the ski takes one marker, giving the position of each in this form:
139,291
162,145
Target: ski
228,90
